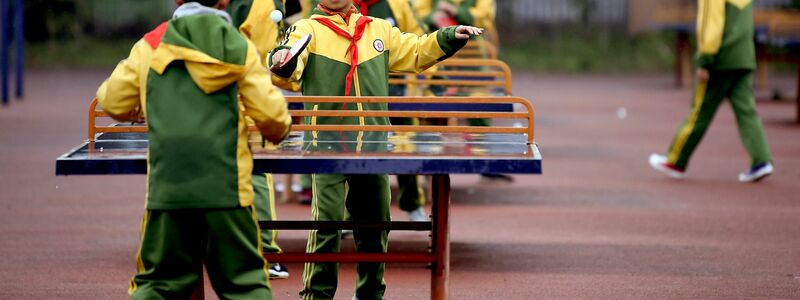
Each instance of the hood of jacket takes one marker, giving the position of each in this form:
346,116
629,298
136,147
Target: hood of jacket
203,38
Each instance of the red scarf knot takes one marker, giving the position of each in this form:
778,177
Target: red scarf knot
361,25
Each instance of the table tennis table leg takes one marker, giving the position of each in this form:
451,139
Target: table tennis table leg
682,65
440,237
200,290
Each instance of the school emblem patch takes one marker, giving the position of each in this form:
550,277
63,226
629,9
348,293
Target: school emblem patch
378,44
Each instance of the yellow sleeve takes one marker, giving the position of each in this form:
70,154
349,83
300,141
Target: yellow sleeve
405,17
710,25
262,102
306,8
423,8
291,81
122,95
259,28
409,52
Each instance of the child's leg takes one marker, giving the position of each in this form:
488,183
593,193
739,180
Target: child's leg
751,129
169,261
233,258
706,100
369,199
410,195
264,200
320,279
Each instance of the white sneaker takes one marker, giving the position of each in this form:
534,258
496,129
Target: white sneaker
418,215
278,271
659,163
756,173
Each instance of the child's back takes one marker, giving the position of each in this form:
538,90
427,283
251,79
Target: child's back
195,78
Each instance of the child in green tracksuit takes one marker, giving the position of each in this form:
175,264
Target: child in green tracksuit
253,19
399,13
726,60
195,79
351,55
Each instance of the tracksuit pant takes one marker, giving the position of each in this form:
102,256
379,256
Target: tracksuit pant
176,243
737,86
364,198
264,202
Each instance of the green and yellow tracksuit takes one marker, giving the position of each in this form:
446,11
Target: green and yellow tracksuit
195,78
252,17
353,57
478,13
727,51
400,14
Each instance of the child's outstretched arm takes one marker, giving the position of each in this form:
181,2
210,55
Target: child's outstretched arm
120,94
262,102
412,53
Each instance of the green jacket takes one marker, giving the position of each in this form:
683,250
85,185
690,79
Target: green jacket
725,35
196,78
322,68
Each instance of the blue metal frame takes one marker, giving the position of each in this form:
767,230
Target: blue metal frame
6,35
5,27
506,155
19,47
334,164
490,107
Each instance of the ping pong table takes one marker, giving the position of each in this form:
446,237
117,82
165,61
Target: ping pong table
364,149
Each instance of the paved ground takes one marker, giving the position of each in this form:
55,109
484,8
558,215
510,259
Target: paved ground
598,224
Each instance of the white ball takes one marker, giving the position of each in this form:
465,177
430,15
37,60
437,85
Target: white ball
276,16
622,113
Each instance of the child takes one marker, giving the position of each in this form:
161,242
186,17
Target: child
399,13
725,61
195,78
481,13
351,55
253,18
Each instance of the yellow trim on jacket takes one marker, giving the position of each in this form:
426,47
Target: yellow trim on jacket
408,52
125,91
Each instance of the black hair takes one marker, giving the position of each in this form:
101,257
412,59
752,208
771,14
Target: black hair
209,3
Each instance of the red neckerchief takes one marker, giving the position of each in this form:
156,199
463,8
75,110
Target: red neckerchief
344,15
363,5
361,24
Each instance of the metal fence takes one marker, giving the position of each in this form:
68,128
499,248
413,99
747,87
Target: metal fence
553,12
561,11
116,16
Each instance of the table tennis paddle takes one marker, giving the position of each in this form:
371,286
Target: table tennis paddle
296,49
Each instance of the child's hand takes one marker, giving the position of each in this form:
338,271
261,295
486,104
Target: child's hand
279,57
465,32
703,75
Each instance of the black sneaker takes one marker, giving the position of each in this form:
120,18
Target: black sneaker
278,271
